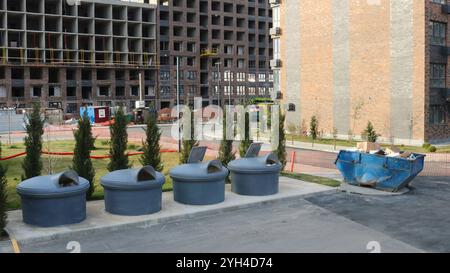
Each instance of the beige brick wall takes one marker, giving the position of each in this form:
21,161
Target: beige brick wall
369,84
316,63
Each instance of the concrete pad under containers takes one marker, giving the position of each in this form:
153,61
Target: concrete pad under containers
198,183
133,192
54,200
255,175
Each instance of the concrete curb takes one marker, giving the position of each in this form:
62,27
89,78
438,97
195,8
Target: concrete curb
345,187
172,212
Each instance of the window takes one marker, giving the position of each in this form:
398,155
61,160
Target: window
190,75
437,75
228,76
262,77
438,33
228,90
2,91
165,91
437,114
164,75
262,91
240,77
241,90
36,91
251,77
439,1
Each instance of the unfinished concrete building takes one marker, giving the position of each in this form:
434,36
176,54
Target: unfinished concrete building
224,49
66,54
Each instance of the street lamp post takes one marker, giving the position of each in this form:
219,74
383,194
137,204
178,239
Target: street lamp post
178,103
229,86
218,82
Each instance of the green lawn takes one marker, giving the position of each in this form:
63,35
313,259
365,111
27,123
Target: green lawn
347,143
313,179
61,163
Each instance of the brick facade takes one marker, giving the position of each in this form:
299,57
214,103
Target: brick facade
362,61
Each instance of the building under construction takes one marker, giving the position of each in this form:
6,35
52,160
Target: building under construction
223,48
66,54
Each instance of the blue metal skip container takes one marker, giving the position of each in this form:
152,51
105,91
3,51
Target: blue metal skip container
133,192
198,183
54,200
377,171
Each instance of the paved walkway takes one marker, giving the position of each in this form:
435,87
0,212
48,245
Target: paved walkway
290,226
98,220
419,217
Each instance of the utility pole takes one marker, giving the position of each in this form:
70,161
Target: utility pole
230,75
9,125
218,83
178,103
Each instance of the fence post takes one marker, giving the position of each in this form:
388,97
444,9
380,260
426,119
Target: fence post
292,161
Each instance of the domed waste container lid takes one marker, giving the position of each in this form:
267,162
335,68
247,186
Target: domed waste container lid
252,163
133,179
62,184
196,170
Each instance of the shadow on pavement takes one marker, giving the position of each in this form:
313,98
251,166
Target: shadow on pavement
419,218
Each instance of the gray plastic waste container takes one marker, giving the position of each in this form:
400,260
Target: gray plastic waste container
133,191
197,183
54,200
255,175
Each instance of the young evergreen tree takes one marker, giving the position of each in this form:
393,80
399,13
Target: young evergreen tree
32,163
369,133
151,147
187,145
314,129
246,142
119,141
84,143
281,150
3,196
226,154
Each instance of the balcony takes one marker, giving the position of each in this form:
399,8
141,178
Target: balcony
275,63
275,31
274,2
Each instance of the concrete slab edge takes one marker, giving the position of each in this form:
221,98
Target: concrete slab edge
163,220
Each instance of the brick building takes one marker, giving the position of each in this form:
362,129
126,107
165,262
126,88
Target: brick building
349,62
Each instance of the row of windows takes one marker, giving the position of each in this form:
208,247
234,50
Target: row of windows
439,1
240,90
190,75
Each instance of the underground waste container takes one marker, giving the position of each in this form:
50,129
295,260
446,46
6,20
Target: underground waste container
133,192
54,200
197,182
378,171
255,175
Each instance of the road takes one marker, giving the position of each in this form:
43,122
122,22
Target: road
305,157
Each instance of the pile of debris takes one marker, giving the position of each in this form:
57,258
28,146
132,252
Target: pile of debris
375,148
